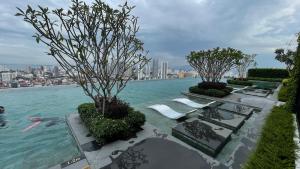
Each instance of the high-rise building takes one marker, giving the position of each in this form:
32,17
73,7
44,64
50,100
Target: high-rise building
155,69
147,71
55,71
140,74
164,70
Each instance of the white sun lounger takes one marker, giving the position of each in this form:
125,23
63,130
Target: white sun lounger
167,111
192,103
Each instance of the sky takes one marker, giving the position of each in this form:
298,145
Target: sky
171,29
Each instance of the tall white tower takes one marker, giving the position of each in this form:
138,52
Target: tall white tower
164,70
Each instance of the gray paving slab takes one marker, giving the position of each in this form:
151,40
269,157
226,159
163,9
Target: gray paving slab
223,118
207,137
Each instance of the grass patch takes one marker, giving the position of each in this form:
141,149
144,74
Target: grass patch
275,147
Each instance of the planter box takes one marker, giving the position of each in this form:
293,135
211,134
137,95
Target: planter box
205,136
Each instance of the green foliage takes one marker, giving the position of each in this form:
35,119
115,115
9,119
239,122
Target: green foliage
107,129
295,82
135,119
87,112
276,147
283,94
268,73
286,57
86,38
212,64
211,92
240,82
212,85
244,64
286,82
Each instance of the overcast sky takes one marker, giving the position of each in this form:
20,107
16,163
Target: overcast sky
171,29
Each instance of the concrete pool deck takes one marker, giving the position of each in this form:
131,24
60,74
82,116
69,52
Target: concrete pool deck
233,155
102,157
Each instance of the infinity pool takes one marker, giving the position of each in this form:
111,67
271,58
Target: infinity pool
47,145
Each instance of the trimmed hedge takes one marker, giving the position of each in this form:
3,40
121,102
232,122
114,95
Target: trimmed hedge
212,85
275,147
105,129
240,82
266,79
268,73
211,92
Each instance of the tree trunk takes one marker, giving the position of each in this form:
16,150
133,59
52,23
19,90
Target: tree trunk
98,105
103,107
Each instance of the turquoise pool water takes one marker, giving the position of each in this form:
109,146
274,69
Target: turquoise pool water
42,146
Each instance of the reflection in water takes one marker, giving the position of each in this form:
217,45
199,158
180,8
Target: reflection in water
214,113
201,130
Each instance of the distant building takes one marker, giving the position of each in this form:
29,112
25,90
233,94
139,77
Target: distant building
140,73
55,71
3,68
184,74
8,76
164,70
147,71
155,72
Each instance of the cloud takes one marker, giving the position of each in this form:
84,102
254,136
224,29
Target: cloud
171,29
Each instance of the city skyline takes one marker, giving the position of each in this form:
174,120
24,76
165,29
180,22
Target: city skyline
173,34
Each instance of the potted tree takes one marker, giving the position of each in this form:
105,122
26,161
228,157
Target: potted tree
97,46
211,66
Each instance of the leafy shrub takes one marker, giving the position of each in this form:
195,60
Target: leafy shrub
106,129
286,82
116,108
212,85
211,92
276,147
266,79
135,119
215,93
268,73
87,112
283,93
240,82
